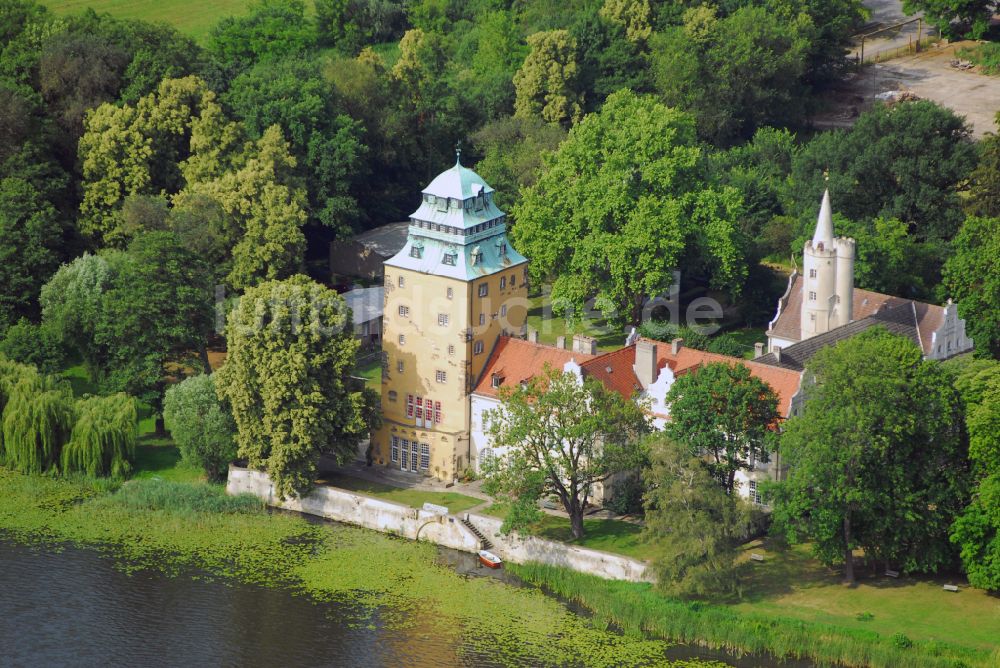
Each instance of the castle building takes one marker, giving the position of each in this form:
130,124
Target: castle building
821,307
453,290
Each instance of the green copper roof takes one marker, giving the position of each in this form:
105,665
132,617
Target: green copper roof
457,183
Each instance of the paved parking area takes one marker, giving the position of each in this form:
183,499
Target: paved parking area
928,75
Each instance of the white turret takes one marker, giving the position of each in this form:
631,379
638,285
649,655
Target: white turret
828,277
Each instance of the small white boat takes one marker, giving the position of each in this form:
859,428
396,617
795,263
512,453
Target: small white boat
489,559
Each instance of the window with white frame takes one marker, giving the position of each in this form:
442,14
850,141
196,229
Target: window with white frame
482,319
425,456
812,273
754,493
437,412
477,347
443,319
451,349
416,251
449,259
484,289
395,449
441,376
392,395
399,366
409,405
451,293
503,310
402,282
402,339
503,282
812,296
404,311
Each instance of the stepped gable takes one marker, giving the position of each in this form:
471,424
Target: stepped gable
906,318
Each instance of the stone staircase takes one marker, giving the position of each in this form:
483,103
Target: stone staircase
483,540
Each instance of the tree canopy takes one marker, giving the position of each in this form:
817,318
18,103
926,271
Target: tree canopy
622,204
723,412
972,278
877,458
201,425
291,349
559,434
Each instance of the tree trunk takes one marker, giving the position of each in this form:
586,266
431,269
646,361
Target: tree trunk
576,522
161,427
203,351
848,552
731,482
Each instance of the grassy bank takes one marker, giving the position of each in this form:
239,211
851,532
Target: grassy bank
615,536
638,608
177,527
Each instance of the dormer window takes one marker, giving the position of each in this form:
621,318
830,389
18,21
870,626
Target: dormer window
442,203
417,250
497,380
477,256
449,258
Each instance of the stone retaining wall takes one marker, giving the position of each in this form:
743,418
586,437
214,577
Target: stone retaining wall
364,511
446,530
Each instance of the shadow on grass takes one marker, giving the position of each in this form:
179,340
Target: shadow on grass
158,457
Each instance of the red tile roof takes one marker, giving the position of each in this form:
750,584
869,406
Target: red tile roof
784,382
515,360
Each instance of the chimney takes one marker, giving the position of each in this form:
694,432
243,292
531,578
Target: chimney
645,363
777,354
585,345
533,335
758,350
676,345
560,342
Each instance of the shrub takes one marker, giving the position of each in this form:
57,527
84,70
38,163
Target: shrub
726,344
627,497
29,343
865,617
103,438
201,425
901,641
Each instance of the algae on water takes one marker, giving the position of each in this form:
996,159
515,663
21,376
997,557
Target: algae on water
172,527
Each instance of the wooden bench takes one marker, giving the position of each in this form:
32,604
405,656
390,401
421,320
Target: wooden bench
548,504
892,574
951,587
756,557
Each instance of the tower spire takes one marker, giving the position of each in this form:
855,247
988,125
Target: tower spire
458,153
824,224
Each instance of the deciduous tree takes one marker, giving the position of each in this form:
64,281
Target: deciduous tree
694,526
546,83
724,413
622,204
291,349
560,435
876,460
201,425
972,278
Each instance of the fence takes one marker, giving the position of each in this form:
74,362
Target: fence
911,48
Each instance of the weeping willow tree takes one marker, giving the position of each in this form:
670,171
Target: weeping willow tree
10,374
103,437
37,420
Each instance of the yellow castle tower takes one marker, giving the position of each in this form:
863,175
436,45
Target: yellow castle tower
450,293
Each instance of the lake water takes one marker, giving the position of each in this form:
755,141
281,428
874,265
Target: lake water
73,607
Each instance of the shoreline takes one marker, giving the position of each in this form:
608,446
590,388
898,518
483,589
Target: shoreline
235,537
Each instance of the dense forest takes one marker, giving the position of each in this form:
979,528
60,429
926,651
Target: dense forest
143,175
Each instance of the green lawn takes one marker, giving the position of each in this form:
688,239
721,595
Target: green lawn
614,536
192,17
372,373
549,326
455,502
790,583
160,458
